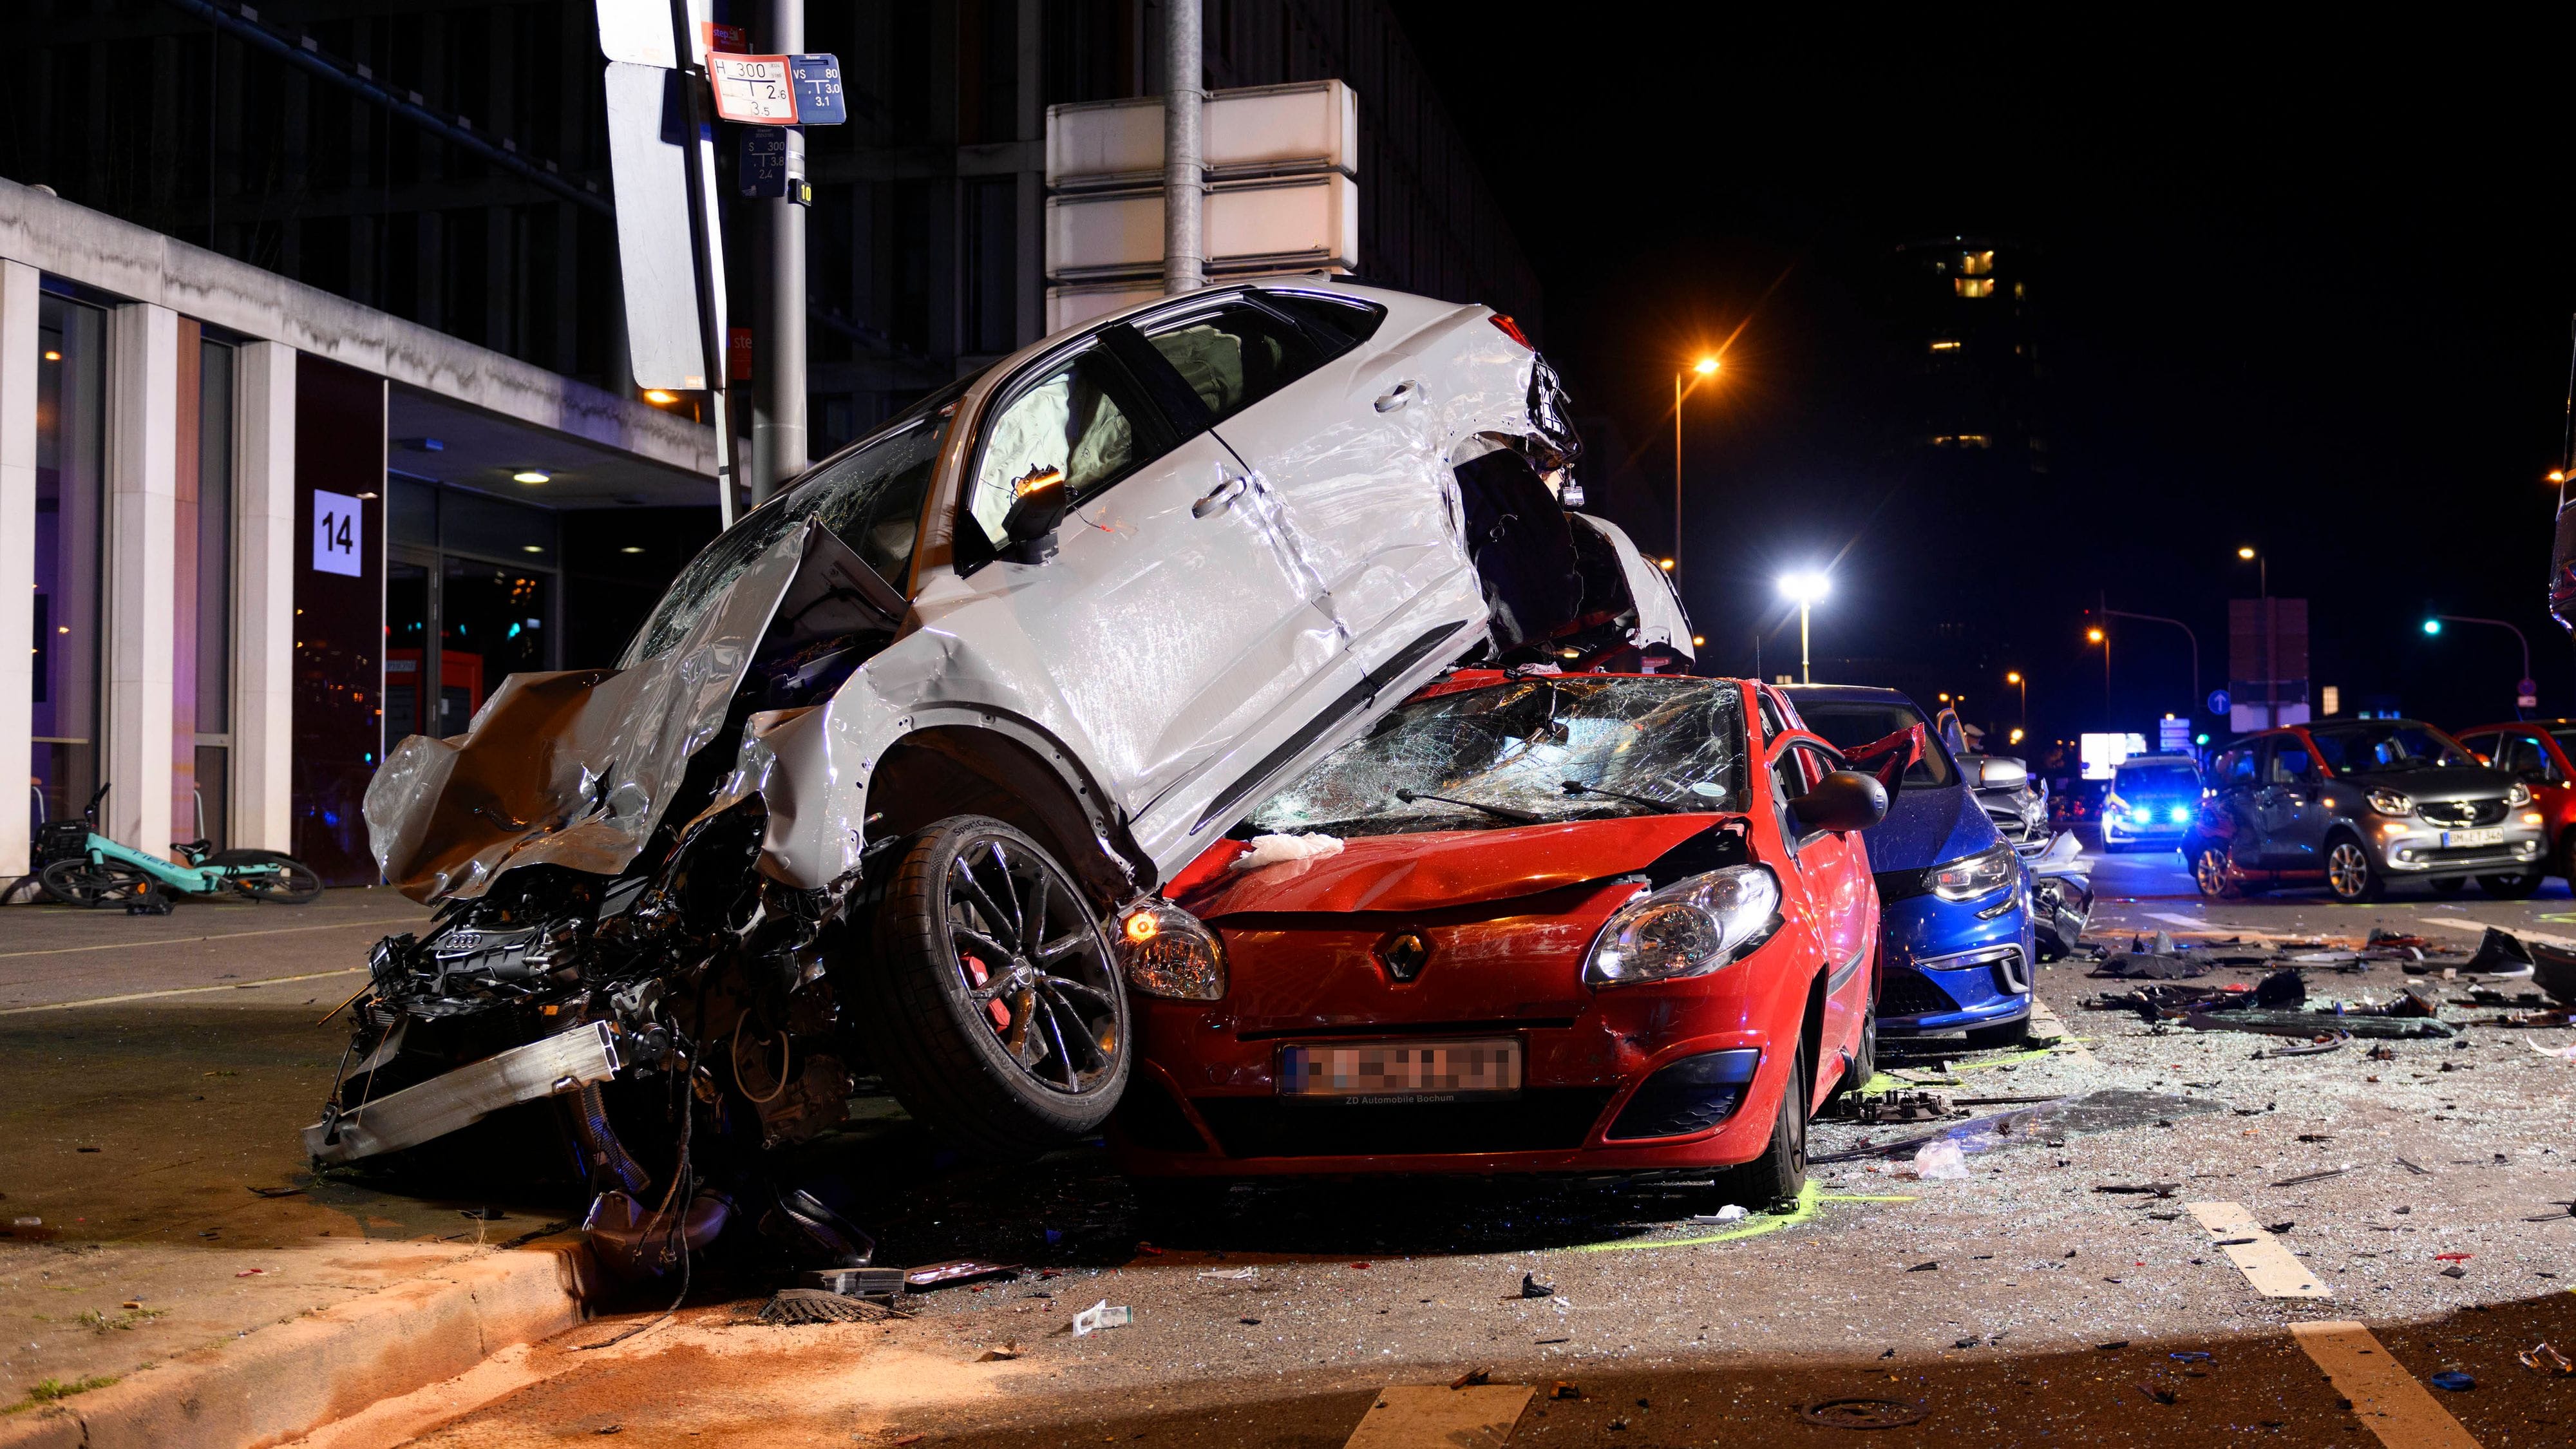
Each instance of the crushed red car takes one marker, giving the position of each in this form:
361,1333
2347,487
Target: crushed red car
1530,923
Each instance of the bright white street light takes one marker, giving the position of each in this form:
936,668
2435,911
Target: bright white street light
1804,589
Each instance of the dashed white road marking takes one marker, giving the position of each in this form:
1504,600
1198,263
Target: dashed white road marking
2257,1254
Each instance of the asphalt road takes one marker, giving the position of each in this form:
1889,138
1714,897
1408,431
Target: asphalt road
1980,1302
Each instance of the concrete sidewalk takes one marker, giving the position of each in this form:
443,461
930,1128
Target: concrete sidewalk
163,1241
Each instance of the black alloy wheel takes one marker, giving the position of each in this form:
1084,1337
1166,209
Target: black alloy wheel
2209,873
1864,1062
99,885
293,883
995,1009
2350,873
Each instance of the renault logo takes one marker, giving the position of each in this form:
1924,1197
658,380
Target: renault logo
1402,955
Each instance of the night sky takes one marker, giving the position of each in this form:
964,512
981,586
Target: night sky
2310,293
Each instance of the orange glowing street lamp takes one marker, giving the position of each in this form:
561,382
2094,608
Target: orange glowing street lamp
1702,370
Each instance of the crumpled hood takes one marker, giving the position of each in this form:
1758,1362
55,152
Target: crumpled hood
1447,868
1926,825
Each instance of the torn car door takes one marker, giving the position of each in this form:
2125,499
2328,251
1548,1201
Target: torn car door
1168,615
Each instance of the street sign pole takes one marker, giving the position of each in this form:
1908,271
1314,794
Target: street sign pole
702,245
778,422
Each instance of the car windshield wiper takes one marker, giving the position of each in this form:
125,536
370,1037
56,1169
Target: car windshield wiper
1499,812
1660,807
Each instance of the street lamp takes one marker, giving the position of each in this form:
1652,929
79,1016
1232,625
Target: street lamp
1804,589
2522,687
1699,372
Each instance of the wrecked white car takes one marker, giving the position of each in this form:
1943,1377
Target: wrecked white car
872,777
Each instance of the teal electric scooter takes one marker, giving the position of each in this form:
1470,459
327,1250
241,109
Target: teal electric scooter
85,868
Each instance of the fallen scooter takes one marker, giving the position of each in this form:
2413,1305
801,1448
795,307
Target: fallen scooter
81,867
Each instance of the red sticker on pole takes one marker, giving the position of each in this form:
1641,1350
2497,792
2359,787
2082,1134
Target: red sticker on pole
753,89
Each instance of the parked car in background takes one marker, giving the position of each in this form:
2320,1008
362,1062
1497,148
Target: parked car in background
2152,801
2357,805
2536,753
1956,949
1528,923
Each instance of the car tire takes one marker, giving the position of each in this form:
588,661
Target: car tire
977,1049
100,885
1864,1060
2209,874
1780,1173
1989,1038
2352,877
2449,885
2512,887
294,884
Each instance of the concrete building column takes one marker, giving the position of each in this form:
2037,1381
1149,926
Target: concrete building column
18,384
263,721
142,557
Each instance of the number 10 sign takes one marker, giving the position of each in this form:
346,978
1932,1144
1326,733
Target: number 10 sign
339,528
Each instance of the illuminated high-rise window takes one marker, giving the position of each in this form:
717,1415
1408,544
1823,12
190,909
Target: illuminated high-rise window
1973,286
1945,344
1977,264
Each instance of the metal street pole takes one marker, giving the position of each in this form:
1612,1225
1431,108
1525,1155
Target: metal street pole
2518,638
702,245
778,423
2177,623
1677,474
1805,675
1184,177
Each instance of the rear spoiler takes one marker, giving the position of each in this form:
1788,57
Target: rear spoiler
1888,759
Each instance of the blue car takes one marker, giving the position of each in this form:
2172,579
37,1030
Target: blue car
1955,944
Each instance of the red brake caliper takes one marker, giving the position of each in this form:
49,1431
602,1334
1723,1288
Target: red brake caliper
976,971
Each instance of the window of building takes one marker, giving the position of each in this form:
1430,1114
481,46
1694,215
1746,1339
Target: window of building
71,505
204,698
1973,286
1977,264
1945,344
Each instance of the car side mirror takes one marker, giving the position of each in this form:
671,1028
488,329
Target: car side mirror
1843,800
1037,505
1993,773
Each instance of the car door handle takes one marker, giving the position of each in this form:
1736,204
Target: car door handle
1398,396
1219,496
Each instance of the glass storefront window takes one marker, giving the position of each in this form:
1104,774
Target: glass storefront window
71,503
492,624
208,745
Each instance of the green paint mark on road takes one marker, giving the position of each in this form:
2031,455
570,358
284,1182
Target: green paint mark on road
1755,1226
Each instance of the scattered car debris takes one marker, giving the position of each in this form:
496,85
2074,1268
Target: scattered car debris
2499,953
1564,1389
1940,1161
860,1282
797,1307
277,1191
2313,1023
1731,1213
1899,1105
1865,1413
956,1271
1532,1288
2158,1189
1471,1378
1098,1316
2307,1177
2314,1046
2541,1358
1234,1275
1004,1354
2452,1379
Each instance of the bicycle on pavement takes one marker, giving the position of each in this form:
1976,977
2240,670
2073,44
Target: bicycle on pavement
84,868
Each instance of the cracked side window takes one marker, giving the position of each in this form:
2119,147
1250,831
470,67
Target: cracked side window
1677,743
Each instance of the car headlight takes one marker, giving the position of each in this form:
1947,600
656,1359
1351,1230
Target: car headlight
2114,805
1971,876
1169,952
1688,928
2392,802
2519,795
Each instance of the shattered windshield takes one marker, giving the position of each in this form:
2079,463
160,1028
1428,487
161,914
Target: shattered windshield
869,496
1509,750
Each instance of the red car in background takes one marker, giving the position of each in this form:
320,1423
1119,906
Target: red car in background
1530,923
2538,753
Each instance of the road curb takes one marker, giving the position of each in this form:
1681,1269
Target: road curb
285,1382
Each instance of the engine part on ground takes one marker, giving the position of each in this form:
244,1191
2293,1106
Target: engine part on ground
553,1065
859,1282
793,1307
634,1241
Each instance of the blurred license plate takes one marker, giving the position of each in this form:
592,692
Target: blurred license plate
1420,1071
2493,835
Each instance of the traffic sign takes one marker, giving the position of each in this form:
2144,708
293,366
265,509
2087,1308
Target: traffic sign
2526,695
763,168
817,83
753,89
2218,701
